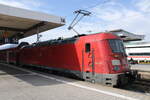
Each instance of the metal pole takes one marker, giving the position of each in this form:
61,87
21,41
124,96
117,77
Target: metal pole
38,38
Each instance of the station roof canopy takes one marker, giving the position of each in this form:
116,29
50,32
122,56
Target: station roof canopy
16,20
127,36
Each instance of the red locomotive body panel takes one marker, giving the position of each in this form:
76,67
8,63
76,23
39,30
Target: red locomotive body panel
69,55
98,57
9,55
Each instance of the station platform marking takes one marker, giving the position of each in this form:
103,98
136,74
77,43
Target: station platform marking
74,84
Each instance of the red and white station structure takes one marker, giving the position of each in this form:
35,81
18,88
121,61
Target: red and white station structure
137,51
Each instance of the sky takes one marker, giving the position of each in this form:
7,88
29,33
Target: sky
130,15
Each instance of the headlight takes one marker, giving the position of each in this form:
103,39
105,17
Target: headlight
116,68
116,62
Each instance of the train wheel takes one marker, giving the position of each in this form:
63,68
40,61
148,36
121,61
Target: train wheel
93,81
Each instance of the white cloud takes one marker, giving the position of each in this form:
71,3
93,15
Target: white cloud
109,16
14,4
109,11
27,4
117,16
143,5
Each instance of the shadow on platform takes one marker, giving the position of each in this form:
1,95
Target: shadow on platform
31,78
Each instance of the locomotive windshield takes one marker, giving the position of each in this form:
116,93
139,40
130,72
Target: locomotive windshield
116,46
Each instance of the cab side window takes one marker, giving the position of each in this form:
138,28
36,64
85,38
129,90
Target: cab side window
87,47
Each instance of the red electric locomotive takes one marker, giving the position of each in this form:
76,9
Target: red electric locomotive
99,58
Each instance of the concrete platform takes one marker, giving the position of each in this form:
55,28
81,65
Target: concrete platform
23,84
143,70
141,67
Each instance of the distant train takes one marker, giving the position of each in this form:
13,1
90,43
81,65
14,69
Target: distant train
99,58
138,53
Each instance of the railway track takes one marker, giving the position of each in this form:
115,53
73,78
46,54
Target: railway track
141,85
142,82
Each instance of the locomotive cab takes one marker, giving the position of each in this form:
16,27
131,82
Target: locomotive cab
118,56
105,60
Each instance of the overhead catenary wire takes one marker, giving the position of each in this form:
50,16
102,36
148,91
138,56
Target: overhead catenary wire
83,13
97,4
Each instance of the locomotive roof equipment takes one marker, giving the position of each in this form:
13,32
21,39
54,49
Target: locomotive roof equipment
76,19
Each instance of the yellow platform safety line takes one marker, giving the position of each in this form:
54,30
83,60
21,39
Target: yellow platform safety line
144,62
